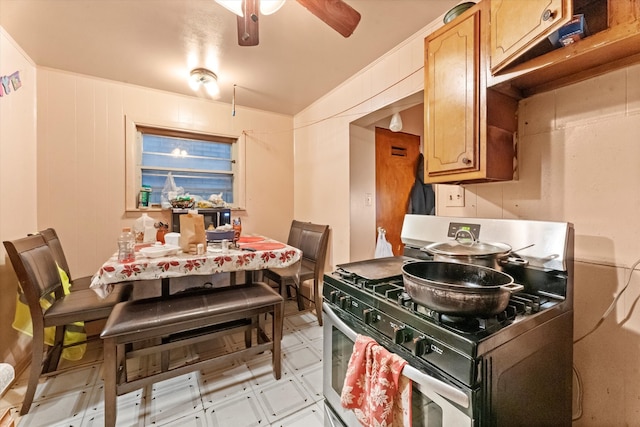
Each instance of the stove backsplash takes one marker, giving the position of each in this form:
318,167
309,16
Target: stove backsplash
547,241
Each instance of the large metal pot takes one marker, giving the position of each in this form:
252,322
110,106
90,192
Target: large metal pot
468,250
458,289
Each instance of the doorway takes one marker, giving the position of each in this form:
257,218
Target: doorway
396,160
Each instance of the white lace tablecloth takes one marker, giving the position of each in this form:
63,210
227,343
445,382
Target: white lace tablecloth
254,254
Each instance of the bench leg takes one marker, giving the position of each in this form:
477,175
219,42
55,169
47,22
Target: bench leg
247,338
110,379
164,357
276,333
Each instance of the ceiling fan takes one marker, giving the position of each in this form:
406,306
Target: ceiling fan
335,13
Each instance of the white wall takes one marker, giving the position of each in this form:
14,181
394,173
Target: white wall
62,154
18,192
322,139
578,162
578,158
81,159
362,144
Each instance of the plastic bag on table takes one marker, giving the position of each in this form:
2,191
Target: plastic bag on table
169,191
383,247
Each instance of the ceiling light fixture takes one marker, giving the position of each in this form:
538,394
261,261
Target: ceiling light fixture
203,77
234,6
396,123
267,7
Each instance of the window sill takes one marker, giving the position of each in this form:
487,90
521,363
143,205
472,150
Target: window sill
233,209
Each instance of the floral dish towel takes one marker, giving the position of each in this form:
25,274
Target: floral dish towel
374,387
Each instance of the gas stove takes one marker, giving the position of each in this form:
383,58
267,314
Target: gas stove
453,344
533,334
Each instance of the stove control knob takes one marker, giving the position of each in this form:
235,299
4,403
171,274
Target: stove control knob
367,315
402,335
333,296
404,299
422,346
345,302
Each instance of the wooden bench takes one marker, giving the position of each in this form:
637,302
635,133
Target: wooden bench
142,327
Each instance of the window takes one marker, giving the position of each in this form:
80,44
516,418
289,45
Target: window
202,164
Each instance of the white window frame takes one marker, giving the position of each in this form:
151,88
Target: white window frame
133,160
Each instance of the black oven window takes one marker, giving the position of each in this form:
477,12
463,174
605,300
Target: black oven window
340,354
424,411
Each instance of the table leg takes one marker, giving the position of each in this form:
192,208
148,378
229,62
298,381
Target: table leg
165,287
164,356
248,277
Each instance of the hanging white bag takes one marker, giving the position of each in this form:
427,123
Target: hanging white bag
383,247
169,191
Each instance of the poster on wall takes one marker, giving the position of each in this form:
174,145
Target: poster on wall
9,83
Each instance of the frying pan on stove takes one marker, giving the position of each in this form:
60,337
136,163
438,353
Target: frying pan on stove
458,289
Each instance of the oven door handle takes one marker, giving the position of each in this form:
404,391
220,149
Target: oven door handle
426,381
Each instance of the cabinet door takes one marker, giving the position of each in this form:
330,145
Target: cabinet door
451,98
517,25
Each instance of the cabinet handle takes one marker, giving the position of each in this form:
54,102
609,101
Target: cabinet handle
466,160
548,14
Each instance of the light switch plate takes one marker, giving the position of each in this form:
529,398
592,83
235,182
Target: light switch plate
454,196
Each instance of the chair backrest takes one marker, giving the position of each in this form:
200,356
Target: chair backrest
34,264
313,242
53,241
294,234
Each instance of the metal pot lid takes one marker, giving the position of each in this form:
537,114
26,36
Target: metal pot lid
476,248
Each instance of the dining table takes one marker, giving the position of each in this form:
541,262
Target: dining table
249,253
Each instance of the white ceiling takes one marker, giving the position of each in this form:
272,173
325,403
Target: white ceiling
155,43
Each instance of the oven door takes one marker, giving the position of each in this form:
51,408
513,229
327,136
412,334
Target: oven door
432,399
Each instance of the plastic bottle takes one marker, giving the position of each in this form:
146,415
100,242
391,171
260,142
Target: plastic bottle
237,229
126,243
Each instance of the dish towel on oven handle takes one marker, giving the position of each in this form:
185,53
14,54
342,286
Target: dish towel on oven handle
374,387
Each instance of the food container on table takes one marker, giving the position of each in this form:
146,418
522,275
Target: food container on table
172,239
157,251
219,235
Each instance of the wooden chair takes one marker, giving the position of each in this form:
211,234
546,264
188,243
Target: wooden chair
53,241
312,240
37,272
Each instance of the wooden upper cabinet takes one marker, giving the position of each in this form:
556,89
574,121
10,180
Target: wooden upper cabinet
468,128
523,61
452,98
518,25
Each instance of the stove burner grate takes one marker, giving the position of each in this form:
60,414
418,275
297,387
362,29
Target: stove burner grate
392,291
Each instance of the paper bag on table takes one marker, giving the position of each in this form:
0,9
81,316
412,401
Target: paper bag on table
192,232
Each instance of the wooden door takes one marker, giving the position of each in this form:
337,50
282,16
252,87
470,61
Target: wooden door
452,141
517,26
396,160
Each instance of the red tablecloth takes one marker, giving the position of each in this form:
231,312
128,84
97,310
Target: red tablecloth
263,254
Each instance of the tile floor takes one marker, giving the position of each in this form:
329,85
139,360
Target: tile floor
243,394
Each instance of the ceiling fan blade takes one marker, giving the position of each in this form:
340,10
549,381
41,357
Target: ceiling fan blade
335,13
248,24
